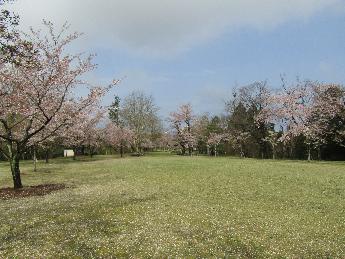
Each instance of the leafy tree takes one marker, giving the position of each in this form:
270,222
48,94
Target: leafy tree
117,136
139,113
114,110
182,123
245,105
304,110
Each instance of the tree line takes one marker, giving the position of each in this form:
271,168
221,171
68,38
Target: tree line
40,111
305,120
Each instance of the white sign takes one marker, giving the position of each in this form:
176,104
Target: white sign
68,153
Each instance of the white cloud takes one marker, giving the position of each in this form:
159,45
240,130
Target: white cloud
165,27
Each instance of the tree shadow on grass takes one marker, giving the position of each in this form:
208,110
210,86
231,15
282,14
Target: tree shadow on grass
39,190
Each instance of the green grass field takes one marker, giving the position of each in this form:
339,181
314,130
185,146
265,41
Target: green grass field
159,206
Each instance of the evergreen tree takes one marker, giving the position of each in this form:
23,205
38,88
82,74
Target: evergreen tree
114,111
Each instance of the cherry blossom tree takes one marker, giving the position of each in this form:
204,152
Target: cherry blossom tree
37,98
148,144
181,122
302,110
85,132
238,140
215,139
166,141
47,145
273,140
328,114
139,113
118,137
13,48
44,145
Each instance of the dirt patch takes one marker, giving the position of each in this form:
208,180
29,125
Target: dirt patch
39,190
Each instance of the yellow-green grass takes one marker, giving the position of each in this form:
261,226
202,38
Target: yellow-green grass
159,206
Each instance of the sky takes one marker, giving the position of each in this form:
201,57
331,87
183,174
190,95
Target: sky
198,51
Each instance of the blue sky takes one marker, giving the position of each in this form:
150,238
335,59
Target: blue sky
197,52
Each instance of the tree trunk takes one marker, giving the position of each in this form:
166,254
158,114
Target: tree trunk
47,156
35,160
121,150
183,150
17,182
291,151
14,158
273,153
136,146
215,150
319,153
309,153
74,154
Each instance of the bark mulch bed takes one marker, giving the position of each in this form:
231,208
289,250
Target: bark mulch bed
39,190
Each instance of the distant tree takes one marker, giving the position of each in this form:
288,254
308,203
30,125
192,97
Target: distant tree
114,110
182,122
201,132
48,145
273,140
240,124
328,115
85,132
118,137
215,139
139,113
243,107
44,145
303,110
239,139
166,141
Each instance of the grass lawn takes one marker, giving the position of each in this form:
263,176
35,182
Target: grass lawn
157,206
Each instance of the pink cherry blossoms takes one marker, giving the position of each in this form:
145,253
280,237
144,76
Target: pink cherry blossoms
37,98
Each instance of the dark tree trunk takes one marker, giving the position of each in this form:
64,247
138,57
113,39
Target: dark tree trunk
121,150
17,182
74,154
183,150
291,151
14,158
47,156
35,160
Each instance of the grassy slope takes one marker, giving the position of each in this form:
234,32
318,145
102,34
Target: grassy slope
178,206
